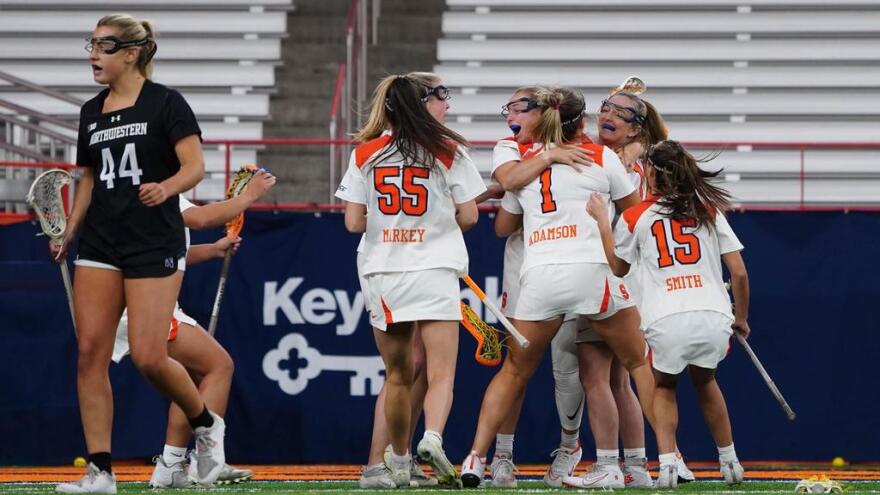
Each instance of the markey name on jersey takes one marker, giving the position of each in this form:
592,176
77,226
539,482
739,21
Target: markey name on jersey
136,129
683,282
403,235
553,233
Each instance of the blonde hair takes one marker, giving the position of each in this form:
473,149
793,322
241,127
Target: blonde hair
651,128
131,29
562,114
377,121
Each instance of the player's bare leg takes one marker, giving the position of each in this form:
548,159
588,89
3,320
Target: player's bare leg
712,404
395,346
666,422
632,428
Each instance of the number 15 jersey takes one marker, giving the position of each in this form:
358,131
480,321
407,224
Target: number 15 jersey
126,148
410,207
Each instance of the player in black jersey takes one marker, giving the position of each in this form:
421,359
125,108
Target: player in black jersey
139,147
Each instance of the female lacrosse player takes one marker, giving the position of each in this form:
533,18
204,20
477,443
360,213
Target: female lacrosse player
627,124
563,269
412,191
679,236
139,146
513,171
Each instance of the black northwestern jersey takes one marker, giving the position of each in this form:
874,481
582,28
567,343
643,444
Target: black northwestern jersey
127,148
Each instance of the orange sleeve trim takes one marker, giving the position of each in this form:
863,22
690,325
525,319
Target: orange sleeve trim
364,152
633,213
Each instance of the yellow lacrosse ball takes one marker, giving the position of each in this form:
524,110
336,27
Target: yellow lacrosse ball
79,462
838,462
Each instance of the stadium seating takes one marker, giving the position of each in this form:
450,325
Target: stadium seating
220,54
720,71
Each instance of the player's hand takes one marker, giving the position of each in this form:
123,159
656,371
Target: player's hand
59,251
224,244
741,327
574,156
259,184
152,194
597,207
630,153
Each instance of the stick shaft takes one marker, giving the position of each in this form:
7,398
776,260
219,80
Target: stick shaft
766,376
218,298
68,288
520,339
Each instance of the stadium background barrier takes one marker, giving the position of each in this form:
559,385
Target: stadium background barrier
293,297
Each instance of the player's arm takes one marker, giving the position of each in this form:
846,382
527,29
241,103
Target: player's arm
355,217
466,215
627,201
598,209
81,201
739,283
506,223
515,174
216,214
192,169
493,191
198,253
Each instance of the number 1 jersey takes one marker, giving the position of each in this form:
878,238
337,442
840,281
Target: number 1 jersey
126,148
410,208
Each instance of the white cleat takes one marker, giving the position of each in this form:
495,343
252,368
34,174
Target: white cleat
400,471
95,481
564,463
230,475
169,475
472,470
376,476
685,475
604,476
431,451
668,477
733,472
636,475
503,472
210,457
417,476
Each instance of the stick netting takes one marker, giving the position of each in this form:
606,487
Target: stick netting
46,200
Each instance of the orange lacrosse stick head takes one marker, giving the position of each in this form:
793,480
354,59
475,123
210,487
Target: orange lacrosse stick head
488,352
236,186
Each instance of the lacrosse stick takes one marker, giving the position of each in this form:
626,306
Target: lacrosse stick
633,85
772,386
45,198
233,228
497,312
488,351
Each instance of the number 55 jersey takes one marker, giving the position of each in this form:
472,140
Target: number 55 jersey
125,149
410,207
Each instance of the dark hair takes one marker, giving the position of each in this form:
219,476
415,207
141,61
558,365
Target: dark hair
399,106
684,188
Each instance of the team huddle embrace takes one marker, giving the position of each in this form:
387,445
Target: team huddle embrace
613,260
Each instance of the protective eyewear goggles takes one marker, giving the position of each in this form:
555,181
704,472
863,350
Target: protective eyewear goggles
522,105
439,92
111,44
626,114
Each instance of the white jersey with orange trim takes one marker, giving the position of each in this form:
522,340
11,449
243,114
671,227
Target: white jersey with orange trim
679,265
556,225
509,150
410,209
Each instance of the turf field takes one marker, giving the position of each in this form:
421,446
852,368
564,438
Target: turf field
763,477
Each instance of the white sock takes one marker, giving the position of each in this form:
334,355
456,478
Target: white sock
667,459
172,455
504,445
570,440
606,456
399,461
727,454
634,453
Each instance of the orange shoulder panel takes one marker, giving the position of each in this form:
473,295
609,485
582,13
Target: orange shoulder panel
447,160
364,152
633,213
597,150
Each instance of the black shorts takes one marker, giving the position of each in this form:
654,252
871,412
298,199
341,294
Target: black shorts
141,269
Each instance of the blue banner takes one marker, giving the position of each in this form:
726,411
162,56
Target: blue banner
307,370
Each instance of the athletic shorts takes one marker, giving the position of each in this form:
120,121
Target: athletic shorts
620,296
378,322
160,268
549,291
394,297
121,348
513,260
700,338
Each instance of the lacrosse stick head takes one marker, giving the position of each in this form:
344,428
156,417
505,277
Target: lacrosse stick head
236,185
488,352
45,198
631,84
